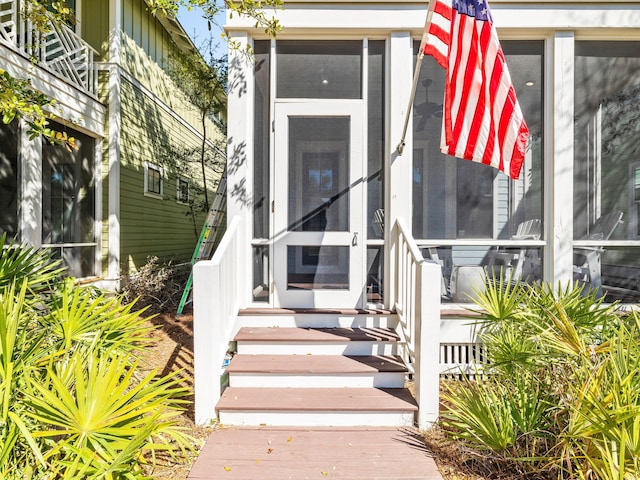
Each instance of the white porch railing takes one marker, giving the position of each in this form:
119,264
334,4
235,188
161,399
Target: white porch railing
417,284
60,50
216,287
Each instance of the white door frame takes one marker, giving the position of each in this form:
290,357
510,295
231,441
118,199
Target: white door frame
354,238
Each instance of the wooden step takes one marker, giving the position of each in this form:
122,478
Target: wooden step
317,317
317,406
316,341
287,371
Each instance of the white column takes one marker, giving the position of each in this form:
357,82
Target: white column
397,168
559,177
30,182
240,154
115,32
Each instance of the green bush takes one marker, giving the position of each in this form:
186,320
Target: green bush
560,394
73,404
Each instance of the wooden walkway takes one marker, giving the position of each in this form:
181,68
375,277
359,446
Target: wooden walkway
280,453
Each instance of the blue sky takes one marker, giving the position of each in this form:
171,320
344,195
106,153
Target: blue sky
196,28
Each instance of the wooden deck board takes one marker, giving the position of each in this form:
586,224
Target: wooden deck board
278,453
287,334
315,364
332,311
316,399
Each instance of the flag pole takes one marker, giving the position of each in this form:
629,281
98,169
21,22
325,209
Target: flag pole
416,75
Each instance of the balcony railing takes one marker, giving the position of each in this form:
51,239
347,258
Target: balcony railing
58,50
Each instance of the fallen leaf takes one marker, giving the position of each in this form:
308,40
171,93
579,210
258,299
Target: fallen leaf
228,469
257,460
270,450
289,439
324,474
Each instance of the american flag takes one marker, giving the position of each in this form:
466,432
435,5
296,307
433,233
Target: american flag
482,118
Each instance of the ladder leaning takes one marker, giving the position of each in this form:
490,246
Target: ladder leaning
209,236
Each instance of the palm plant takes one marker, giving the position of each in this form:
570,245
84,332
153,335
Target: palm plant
19,263
560,395
73,404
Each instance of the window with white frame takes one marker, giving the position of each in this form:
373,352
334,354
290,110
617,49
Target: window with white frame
182,190
153,180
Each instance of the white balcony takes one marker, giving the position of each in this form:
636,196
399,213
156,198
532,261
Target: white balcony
59,50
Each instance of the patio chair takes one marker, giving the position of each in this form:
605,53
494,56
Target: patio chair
517,264
587,261
513,264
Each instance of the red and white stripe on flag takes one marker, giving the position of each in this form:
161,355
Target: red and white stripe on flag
482,119
438,31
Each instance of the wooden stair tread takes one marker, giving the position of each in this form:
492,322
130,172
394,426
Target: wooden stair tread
292,334
316,364
323,311
317,399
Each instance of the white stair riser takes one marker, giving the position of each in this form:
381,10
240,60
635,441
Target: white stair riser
318,321
318,418
262,380
347,348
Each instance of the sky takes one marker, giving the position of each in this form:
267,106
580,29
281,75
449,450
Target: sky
196,27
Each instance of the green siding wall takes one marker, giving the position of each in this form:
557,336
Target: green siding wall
94,26
153,115
151,226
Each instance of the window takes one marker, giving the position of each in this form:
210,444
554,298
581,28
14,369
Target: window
153,180
182,190
9,179
68,203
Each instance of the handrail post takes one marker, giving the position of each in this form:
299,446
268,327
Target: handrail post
417,301
216,295
206,358
428,338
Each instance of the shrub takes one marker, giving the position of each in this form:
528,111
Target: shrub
560,396
157,285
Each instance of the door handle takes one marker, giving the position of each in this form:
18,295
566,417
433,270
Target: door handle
354,241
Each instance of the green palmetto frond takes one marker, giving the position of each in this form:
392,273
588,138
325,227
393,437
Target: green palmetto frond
499,301
604,426
80,316
20,262
108,419
479,413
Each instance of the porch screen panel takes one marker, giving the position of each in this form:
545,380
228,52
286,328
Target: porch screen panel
375,129
607,166
9,179
459,200
314,69
261,198
607,98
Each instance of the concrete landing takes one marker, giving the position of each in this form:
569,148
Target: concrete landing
298,453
